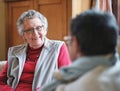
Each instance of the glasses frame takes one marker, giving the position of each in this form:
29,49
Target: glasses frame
31,30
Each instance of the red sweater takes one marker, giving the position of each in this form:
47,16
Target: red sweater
27,76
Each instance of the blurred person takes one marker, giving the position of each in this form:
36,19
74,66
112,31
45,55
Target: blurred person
30,65
93,42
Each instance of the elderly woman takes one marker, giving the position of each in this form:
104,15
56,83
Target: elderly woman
30,65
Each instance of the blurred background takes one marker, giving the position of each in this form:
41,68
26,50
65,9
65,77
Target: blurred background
58,13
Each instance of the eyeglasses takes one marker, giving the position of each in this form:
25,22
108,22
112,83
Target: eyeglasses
38,29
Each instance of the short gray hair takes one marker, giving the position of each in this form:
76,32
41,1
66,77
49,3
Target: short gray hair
29,15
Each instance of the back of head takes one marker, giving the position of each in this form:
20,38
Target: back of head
96,32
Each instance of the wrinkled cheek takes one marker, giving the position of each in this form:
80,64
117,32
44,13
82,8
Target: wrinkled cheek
30,40
43,33
41,38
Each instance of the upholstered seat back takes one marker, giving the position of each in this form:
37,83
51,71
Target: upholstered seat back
2,63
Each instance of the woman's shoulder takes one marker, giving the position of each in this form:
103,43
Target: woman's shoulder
17,47
55,41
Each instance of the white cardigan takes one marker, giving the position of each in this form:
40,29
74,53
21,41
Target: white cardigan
47,63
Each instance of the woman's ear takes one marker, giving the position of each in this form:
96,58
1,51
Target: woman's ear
45,32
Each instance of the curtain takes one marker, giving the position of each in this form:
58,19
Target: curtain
104,5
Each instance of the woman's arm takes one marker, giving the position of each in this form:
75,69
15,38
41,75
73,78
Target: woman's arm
64,58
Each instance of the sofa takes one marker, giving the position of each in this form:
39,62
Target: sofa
2,63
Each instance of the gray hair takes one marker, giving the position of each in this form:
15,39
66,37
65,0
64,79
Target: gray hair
29,15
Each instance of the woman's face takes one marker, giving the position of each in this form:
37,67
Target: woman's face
34,32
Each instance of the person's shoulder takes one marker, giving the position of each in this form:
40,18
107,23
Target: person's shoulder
57,41
110,79
54,42
17,47
83,83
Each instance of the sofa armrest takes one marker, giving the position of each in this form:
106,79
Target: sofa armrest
2,63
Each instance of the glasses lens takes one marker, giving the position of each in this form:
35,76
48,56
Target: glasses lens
38,28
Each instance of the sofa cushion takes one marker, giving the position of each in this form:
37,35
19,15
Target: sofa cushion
2,63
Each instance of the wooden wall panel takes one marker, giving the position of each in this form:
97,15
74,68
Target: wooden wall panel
49,1
14,11
55,12
58,13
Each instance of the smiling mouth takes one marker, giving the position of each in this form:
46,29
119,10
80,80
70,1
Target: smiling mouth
35,38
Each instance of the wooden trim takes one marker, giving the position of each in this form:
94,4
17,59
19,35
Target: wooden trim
115,9
69,15
14,0
11,0
78,6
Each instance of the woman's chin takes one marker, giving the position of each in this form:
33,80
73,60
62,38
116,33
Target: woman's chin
37,44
